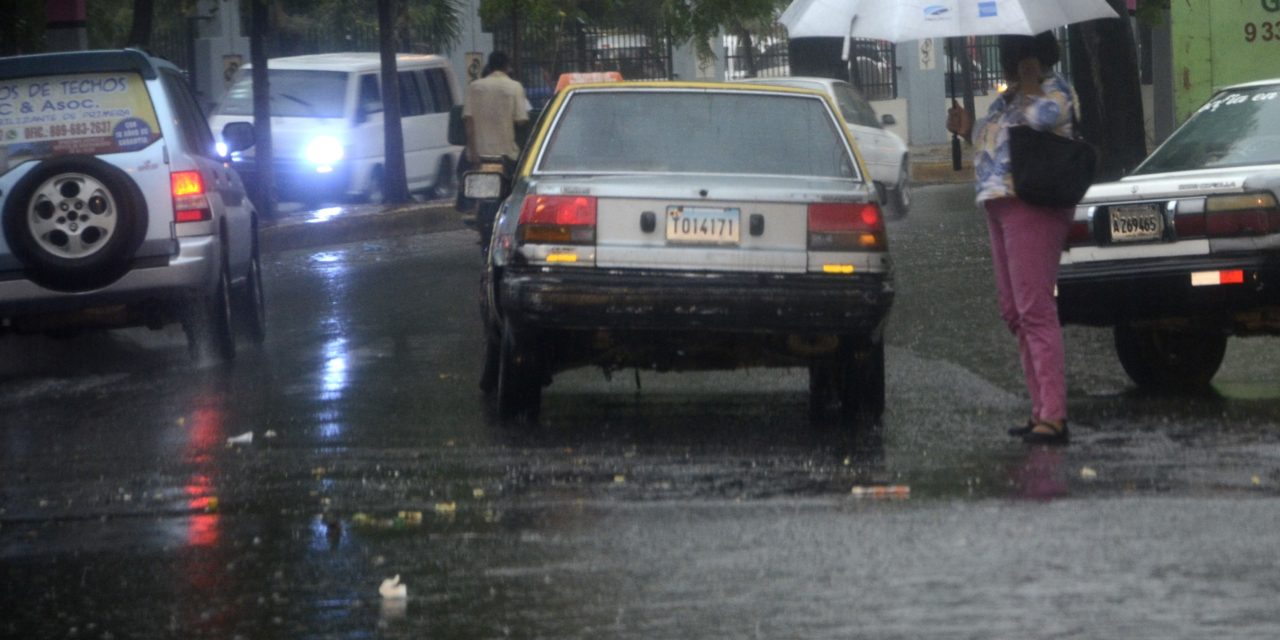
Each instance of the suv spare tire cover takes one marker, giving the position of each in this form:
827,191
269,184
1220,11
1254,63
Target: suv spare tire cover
75,222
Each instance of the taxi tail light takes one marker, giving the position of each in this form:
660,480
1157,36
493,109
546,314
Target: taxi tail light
558,220
190,203
846,226
1246,214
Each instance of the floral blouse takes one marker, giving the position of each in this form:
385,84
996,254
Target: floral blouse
991,158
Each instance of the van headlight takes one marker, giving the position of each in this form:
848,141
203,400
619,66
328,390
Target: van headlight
324,151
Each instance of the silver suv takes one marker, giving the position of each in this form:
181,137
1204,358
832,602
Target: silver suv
116,209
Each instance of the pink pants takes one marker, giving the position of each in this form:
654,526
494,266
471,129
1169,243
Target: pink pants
1026,245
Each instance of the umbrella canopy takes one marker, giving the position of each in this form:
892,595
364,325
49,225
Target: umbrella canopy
903,20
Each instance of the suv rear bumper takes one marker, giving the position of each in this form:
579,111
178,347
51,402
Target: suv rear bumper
193,270
680,301
1106,294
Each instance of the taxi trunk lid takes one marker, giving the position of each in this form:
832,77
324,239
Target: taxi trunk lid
704,222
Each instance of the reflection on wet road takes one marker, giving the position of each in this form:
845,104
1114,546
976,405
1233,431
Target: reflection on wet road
678,505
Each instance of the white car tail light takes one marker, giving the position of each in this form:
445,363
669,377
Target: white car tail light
1230,216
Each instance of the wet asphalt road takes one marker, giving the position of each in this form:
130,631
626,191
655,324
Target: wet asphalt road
696,506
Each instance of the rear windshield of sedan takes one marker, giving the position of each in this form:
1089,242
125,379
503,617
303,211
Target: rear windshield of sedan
697,132
1236,128
295,93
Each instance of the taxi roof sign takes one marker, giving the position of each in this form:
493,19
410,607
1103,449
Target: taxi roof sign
567,79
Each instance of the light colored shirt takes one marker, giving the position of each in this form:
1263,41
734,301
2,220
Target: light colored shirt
495,104
1052,111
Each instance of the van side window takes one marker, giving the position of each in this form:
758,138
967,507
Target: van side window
190,119
370,97
438,88
411,103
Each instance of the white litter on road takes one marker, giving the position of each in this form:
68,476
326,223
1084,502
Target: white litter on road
244,438
393,589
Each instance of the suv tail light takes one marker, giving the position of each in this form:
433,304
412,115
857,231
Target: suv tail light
558,220
1230,216
846,226
190,204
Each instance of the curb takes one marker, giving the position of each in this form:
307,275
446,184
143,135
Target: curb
300,232
923,173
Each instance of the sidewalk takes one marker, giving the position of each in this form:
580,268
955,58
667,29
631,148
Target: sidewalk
297,228
931,164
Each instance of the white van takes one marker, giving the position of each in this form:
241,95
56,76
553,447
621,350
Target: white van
326,125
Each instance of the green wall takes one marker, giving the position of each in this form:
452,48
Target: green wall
1222,42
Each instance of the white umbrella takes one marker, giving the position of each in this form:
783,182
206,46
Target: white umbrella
902,20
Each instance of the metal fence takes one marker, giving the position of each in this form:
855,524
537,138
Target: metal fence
542,54
986,76
872,63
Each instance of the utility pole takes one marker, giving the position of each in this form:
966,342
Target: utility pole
65,25
394,187
264,155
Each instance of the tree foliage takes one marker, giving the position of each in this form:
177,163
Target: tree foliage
696,21
421,25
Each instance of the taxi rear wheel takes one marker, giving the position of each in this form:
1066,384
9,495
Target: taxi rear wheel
519,377
1167,359
861,387
489,372
854,385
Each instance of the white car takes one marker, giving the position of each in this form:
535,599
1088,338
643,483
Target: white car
1185,251
884,152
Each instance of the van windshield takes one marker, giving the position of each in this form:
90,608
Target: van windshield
295,93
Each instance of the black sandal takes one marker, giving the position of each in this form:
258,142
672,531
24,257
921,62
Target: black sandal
1060,435
1023,430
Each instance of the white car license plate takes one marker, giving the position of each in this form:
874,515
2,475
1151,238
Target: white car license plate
703,225
1135,223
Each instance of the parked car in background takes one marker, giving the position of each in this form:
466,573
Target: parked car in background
1185,252
326,125
887,157
645,228
117,211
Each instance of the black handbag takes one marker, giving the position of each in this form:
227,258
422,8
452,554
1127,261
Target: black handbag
1048,169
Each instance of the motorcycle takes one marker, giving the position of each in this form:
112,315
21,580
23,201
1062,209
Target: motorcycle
484,187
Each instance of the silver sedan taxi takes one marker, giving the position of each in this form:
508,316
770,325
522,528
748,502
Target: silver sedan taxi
1185,251
689,226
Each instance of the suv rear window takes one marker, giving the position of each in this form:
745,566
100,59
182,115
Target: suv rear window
295,93
95,113
697,132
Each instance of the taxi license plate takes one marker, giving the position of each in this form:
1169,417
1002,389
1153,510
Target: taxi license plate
1136,223
703,225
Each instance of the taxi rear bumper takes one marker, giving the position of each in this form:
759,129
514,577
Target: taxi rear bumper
696,301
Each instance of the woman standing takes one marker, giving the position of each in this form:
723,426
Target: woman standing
1027,240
